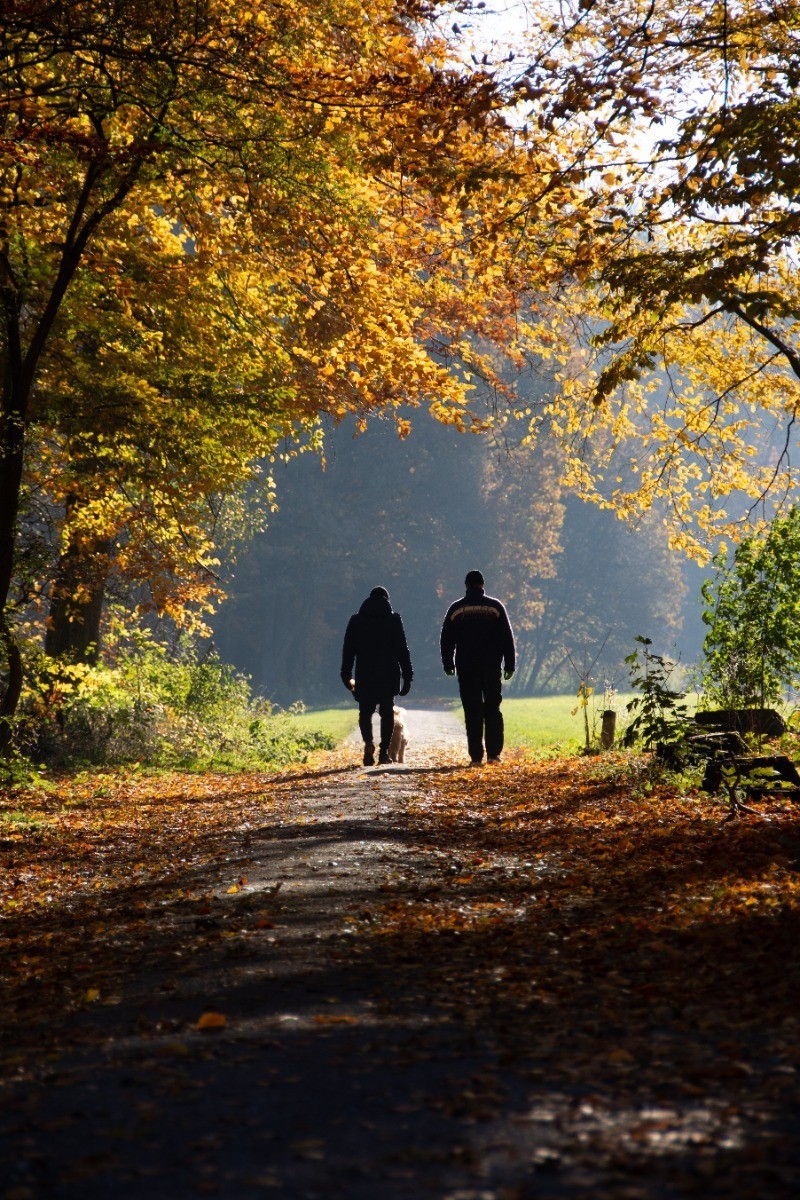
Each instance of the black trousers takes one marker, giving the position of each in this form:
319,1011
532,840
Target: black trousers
385,707
481,695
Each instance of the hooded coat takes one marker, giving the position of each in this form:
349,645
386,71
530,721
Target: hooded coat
375,643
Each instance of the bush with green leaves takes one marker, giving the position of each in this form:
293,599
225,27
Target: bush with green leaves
659,716
752,610
153,703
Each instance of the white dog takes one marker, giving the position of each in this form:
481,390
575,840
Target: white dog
397,746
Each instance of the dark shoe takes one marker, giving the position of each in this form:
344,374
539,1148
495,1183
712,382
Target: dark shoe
494,759
383,757
369,754
476,762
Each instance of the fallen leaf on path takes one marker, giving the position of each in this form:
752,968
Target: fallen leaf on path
212,1020
620,1055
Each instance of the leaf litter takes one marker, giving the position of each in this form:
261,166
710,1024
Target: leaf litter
595,988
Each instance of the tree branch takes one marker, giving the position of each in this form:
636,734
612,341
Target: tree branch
791,356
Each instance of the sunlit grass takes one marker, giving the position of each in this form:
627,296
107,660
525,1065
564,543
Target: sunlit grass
337,723
539,721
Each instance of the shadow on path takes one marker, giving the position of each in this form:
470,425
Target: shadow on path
409,1012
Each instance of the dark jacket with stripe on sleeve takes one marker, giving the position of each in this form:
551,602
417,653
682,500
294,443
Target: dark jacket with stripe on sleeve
477,634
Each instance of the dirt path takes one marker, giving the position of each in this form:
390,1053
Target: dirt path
315,1086
433,732
353,1065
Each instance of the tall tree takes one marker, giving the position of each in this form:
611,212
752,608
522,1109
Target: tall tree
528,507
328,186
687,116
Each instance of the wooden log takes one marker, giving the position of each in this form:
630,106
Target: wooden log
608,728
743,720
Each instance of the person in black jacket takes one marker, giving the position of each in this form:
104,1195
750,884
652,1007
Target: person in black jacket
375,642
477,644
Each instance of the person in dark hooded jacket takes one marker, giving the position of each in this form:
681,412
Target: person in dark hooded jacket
375,644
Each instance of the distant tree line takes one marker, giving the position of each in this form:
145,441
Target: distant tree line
414,516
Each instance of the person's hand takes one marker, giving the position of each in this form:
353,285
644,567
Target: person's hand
350,684
406,688
507,674
449,670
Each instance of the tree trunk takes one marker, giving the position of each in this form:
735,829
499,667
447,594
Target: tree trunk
19,371
13,688
76,604
16,390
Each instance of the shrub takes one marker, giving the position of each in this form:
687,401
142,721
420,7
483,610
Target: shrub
153,704
658,714
752,648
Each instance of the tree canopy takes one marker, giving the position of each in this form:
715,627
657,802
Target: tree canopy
217,224
683,120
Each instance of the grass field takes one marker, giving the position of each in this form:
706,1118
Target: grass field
538,721
336,722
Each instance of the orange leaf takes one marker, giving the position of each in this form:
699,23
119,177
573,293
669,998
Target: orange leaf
212,1020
